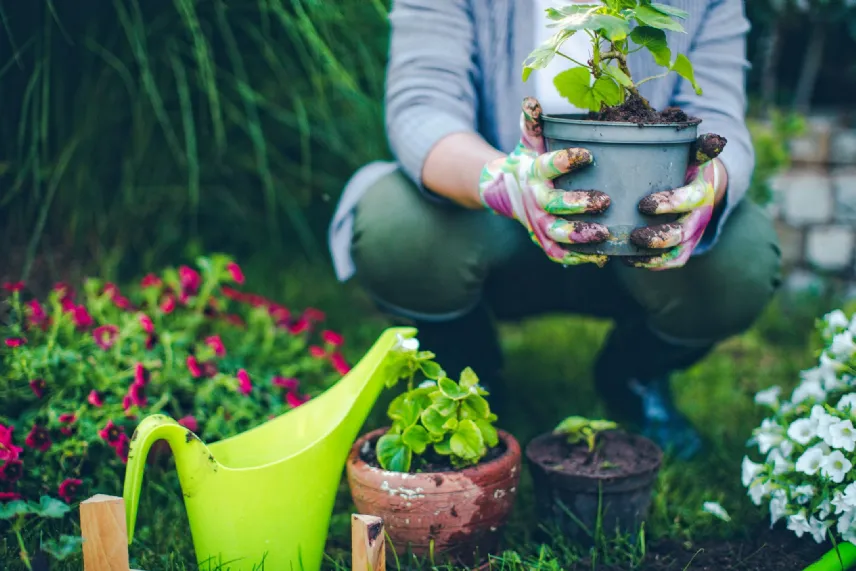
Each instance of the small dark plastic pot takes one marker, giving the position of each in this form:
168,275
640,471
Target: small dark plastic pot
572,503
630,162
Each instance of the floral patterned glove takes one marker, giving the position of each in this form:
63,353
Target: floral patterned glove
520,186
694,202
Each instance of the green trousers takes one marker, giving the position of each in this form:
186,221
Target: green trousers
439,266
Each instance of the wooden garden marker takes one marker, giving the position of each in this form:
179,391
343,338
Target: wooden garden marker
105,534
368,544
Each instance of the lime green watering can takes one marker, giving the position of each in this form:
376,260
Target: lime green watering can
263,499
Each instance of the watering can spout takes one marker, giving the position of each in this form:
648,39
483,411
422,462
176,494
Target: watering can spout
194,462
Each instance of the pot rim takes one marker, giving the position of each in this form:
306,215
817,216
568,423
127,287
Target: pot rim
512,451
595,478
579,119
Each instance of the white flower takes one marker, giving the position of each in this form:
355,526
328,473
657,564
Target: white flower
824,509
835,467
758,491
847,403
823,421
836,321
802,430
810,461
803,494
717,510
845,501
781,465
842,346
750,471
799,524
768,435
818,529
842,435
828,373
846,524
808,389
778,507
787,448
769,397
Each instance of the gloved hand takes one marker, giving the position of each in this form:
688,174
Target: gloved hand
694,201
520,186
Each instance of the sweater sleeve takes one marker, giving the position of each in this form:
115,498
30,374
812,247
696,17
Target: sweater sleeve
430,87
718,54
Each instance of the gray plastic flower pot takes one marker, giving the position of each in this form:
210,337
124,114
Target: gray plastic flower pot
630,162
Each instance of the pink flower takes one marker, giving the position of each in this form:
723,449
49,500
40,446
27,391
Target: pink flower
12,287
36,312
298,326
232,293
38,387
122,446
8,450
193,367
111,290
11,471
95,399
67,419
332,338
279,314
189,279
146,323
313,314
105,336
68,489
216,344
168,304
294,400
339,363
209,369
126,403
38,439
317,352
15,341
141,375
244,384
9,496
81,317
136,395
150,280
122,302
290,384
64,290
235,270
111,433
190,423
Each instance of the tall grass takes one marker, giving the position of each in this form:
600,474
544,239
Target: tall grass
133,128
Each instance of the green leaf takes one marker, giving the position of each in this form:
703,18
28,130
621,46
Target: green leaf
571,425
544,54
468,378
614,28
416,438
488,432
52,507
575,86
403,410
467,441
475,406
451,389
619,5
433,420
393,454
13,509
444,405
450,424
63,547
648,16
655,41
670,10
619,76
431,369
684,68
444,447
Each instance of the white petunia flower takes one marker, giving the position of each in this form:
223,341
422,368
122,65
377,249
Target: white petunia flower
847,403
835,467
802,430
803,494
818,529
750,471
828,373
717,510
824,509
787,448
810,461
781,465
842,347
778,507
758,491
808,389
847,524
768,435
799,524
836,321
842,435
769,397
823,421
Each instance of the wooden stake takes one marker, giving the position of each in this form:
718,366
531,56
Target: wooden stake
368,544
105,534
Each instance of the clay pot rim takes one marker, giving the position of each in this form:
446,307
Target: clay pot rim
511,455
544,436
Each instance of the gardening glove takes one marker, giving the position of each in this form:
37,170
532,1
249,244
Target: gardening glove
694,202
520,186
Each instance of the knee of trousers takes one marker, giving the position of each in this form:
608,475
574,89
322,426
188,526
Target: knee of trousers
412,256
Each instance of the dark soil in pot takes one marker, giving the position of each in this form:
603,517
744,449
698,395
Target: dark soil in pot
579,492
460,512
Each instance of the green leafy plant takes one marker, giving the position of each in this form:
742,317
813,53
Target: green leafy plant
441,419
578,429
606,80
21,514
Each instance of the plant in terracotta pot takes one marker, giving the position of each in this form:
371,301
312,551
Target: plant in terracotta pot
593,478
442,476
637,150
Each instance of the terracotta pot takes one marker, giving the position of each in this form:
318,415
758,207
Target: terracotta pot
461,512
564,483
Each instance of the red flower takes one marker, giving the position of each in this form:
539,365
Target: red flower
290,384
141,375
298,326
67,304
193,367
12,287
317,352
95,399
67,419
68,489
111,433
39,439
216,344
146,323
189,422
150,280
294,400
168,304
9,496
105,336
8,450
111,290
232,293
235,270
122,446
189,279
15,341
81,317
122,302
136,395
36,312
313,314
244,384
332,338
339,363
209,369
11,471
279,314
38,386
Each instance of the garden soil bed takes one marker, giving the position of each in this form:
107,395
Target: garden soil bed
430,461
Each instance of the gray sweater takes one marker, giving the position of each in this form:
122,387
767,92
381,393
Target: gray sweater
455,66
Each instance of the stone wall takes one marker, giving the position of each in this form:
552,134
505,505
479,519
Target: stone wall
814,202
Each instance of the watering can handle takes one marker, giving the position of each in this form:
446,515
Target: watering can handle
150,430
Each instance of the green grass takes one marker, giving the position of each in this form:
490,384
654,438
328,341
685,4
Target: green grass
549,379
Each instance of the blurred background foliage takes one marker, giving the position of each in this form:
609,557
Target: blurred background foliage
136,131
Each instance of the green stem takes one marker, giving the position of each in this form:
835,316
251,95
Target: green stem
572,59
24,555
661,76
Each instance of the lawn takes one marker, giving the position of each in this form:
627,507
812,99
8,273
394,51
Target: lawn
550,379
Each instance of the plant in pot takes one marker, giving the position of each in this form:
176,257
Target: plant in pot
637,150
442,476
592,478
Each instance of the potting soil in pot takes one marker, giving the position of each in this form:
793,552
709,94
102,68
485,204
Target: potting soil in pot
616,457
634,111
